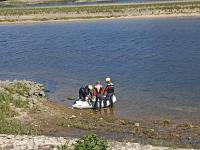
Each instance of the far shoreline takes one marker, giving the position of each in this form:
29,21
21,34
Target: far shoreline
162,16
99,12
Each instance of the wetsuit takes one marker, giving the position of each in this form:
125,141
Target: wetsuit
83,93
110,91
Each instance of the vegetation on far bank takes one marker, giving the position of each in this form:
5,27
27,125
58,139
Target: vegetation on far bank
98,11
100,8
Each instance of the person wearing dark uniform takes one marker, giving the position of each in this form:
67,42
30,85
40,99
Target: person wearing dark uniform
109,91
86,91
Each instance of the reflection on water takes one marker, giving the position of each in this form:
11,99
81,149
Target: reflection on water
154,63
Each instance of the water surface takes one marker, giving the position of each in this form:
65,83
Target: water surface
154,63
78,3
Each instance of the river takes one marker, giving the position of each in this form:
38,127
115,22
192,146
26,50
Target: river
154,63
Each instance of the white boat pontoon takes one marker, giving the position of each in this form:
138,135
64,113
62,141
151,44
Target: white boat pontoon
79,103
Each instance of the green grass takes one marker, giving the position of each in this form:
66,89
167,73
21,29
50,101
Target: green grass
7,98
99,9
5,108
14,127
8,125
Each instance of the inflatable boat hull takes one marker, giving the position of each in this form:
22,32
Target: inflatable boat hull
90,105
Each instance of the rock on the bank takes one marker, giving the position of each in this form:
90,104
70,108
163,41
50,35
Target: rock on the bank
17,142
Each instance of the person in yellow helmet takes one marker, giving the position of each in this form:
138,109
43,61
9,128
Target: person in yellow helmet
89,90
109,90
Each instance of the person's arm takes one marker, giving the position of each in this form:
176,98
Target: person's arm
108,87
103,91
94,92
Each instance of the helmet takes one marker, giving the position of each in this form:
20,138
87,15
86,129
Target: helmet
107,79
90,87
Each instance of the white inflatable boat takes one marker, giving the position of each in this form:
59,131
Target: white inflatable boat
91,104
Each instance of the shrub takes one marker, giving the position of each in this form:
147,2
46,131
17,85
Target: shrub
63,147
90,142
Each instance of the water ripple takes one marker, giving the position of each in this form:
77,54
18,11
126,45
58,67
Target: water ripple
155,63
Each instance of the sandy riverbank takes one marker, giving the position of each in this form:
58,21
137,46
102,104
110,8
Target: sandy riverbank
25,110
79,13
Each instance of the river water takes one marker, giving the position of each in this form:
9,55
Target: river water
79,3
154,63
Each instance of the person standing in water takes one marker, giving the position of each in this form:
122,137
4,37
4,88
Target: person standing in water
109,91
98,93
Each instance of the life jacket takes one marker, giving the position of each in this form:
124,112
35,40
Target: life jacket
109,88
98,89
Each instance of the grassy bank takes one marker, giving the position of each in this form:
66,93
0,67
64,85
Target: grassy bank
100,11
100,8
11,105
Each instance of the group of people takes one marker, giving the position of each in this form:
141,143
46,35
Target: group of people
98,91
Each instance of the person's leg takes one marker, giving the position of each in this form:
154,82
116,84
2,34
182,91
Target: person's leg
110,99
95,103
100,102
80,94
84,96
105,101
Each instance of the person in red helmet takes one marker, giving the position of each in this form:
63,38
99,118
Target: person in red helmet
109,90
98,93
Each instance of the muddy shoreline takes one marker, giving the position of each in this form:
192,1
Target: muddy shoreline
51,119
154,132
